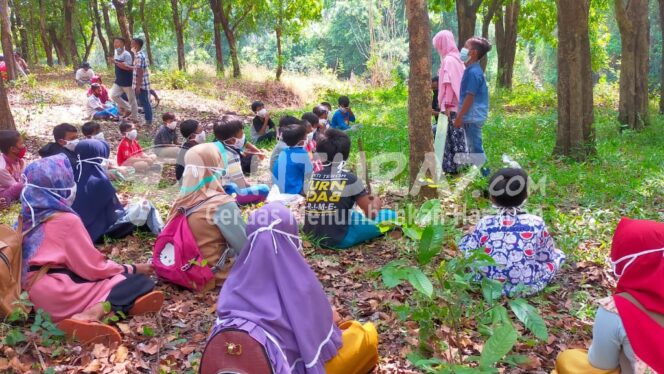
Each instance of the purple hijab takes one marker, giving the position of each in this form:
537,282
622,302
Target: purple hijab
272,287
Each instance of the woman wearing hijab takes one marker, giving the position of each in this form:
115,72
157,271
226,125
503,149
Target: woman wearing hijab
96,200
273,296
449,87
629,326
214,217
63,272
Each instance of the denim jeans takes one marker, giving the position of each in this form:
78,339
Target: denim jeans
476,155
144,100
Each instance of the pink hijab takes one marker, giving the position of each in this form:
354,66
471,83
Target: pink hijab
451,66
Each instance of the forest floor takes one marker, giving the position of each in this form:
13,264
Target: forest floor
582,204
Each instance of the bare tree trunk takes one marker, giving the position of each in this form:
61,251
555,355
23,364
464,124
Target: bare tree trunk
576,135
177,23
22,31
7,45
419,88
107,26
130,16
634,27
63,56
68,9
467,18
33,39
88,43
146,32
507,25
280,64
122,21
48,49
661,70
230,37
100,34
6,117
486,22
218,42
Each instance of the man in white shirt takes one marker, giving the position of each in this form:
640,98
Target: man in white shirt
84,74
124,74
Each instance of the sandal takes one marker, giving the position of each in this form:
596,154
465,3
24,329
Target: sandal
90,332
148,303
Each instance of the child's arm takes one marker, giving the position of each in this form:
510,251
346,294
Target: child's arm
351,115
370,205
467,103
253,150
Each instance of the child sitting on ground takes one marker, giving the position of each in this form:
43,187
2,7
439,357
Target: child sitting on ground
293,166
237,141
166,139
262,125
99,110
333,193
103,96
344,116
193,133
227,132
280,146
92,130
311,121
322,124
130,152
524,251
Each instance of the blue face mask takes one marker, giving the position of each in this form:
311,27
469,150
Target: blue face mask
465,54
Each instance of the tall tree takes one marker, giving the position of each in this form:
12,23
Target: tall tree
634,28
61,52
467,18
179,35
107,26
122,21
130,16
46,43
6,117
576,135
661,70
22,29
7,45
68,25
96,20
419,88
87,43
288,19
489,13
234,14
215,5
507,24
146,32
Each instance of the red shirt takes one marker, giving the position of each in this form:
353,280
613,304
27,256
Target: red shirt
127,149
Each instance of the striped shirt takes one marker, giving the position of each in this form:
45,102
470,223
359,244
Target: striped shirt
140,62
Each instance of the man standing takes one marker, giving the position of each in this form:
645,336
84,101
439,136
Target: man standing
141,83
123,79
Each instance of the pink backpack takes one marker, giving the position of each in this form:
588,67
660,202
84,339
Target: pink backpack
177,258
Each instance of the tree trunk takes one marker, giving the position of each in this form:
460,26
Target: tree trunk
107,26
88,43
230,37
661,70
507,25
218,42
177,23
635,39
70,42
130,16
22,31
122,21
97,23
419,91
467,18
280,65
486,22
576,135
33,39
146,32
48,49
7,45
63,56
6,117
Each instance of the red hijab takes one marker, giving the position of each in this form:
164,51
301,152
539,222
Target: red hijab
642,277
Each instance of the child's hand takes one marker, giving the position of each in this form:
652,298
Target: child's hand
458,122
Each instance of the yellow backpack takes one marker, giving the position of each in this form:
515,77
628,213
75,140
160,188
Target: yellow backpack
10,268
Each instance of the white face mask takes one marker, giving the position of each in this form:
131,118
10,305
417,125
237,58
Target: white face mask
99,136
262,113
97,161
119,50
310,137
632,258
132,135
322,122
69,200
172,125
71,144
200,137
238,143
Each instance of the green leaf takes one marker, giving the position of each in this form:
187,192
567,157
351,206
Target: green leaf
430,212
393,274
148,331
492,290
13,337
527,314
420,281
430,244
413,233
499,315
499,344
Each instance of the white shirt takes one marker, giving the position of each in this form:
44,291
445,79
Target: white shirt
93,103
84,76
